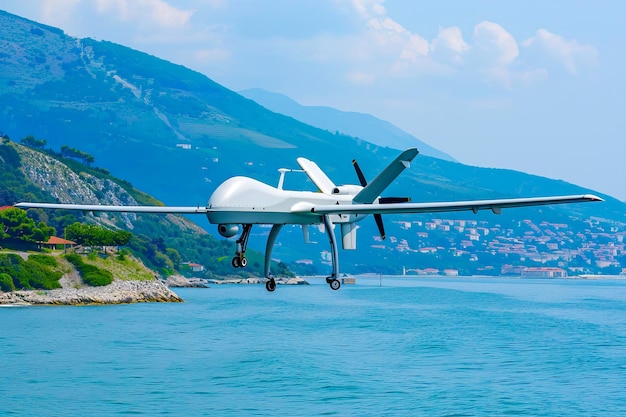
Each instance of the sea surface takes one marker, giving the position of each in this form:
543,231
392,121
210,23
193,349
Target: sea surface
386,346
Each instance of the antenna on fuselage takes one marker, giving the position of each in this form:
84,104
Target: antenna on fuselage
283,171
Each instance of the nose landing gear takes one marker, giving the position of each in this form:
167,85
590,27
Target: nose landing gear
240,260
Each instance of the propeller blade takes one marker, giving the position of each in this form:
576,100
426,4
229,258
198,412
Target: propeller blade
377,217
379,223
393,200
359,173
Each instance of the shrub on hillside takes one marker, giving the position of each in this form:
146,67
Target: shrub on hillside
98,278
43,260
29,274
6,283
91,274
41,276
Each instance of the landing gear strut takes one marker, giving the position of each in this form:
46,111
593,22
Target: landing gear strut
332,280
240,260
270,284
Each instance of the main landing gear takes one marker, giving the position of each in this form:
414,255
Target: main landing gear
240,260
333,282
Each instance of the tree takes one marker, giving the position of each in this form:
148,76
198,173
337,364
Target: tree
79,232
7,197
94,235
174,256
15,224
31,142
122,237
69,152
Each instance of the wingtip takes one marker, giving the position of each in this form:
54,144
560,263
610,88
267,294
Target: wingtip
592,197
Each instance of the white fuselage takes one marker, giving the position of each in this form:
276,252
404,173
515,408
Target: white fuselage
241,200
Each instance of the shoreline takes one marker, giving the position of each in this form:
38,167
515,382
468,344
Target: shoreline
118,292
128,292
258,280
443,277
123,292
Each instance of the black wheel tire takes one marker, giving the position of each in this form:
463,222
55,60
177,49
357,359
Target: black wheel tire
243,262
235,262
335,284
270,285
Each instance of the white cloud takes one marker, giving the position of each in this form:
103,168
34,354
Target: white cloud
449,45
569,53
451,38
391,48
57,12
369,8
388,49
496,51
156,11
390,34
497,44
371,46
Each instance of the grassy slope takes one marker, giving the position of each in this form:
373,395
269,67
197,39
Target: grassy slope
128,269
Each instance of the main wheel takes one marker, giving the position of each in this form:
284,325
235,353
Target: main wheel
270,285
236,262
335,284
243,262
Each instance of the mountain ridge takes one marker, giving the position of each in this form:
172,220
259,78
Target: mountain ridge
361,125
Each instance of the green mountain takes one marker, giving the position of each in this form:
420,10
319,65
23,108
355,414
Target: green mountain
176,134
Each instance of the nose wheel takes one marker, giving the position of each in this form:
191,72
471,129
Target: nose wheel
240,260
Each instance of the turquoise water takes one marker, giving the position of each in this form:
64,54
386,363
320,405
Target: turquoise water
431,347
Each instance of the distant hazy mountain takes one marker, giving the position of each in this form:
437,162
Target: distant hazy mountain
361,125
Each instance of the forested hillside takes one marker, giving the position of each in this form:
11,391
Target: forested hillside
166,243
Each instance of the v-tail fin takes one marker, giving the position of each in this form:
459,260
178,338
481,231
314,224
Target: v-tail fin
375,188
315,173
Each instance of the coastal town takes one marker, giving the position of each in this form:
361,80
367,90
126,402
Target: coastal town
528,247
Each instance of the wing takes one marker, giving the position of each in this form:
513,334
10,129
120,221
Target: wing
125,209
474,205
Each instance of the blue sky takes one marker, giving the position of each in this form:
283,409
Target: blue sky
535,86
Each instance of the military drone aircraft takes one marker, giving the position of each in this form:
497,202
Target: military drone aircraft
245,201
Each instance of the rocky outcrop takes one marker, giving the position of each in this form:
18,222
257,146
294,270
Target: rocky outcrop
118,292
68,186
179,281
